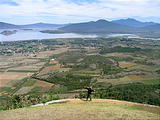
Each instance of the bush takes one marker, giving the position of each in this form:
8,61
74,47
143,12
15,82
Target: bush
19,101
134,92
70,81
108,70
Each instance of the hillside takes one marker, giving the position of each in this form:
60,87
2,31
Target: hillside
41,25
76,109
4,25
152,28
118,26
99,26
7,26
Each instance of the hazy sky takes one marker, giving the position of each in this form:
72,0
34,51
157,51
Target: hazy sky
69,11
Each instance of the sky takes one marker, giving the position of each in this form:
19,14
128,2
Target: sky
74,11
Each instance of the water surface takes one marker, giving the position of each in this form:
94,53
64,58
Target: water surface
36,34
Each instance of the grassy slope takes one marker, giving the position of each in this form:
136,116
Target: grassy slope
75,110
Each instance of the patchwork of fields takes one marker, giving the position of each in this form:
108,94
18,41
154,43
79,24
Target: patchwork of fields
65,67
18,67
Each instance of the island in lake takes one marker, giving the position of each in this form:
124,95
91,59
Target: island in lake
8,32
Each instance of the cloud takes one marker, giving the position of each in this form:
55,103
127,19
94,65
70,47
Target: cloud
9,2
79,9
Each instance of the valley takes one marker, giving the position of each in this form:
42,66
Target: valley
117,68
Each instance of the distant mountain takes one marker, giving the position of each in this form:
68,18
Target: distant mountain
99,26
132,22
42,25
152,28
4,25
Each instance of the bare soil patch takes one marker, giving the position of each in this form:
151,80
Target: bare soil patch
46,85
51,68
118,54
126,64
3,82
52,61
8,76
123,80
43,84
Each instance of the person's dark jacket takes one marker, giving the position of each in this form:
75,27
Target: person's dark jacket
89,90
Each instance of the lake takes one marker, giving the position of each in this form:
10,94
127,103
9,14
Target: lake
35,34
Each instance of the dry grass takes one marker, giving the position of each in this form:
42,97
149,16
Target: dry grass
51,68
118,54
80,110
135,77
45,87
29,67
24,90
3,93
123,80
45,54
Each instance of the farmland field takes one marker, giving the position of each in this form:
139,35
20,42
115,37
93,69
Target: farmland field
64,67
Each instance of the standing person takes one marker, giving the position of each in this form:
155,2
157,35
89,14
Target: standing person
90,90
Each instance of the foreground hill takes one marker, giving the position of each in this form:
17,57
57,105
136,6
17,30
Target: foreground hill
76,109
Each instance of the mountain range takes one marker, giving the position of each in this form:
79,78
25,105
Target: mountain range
132,22
117,26
100,26
4,25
